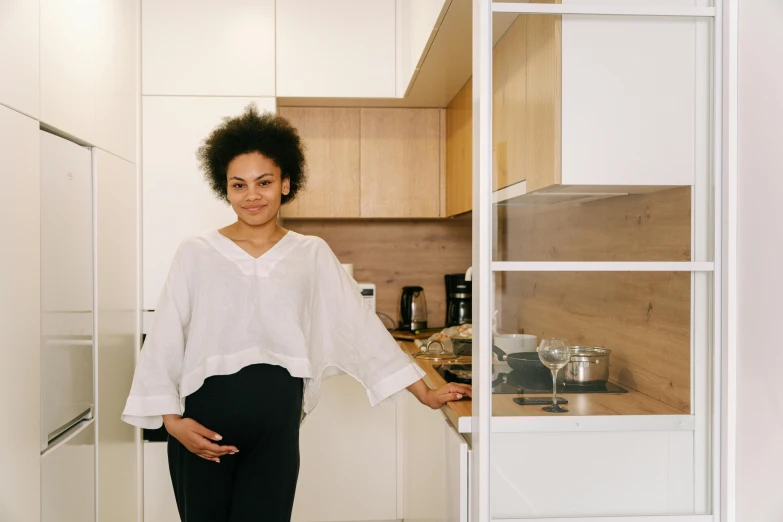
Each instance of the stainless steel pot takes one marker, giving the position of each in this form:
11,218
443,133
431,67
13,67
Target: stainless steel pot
588,365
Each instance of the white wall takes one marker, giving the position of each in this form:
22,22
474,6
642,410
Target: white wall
760,271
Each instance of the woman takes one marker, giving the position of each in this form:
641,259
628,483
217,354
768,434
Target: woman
251,319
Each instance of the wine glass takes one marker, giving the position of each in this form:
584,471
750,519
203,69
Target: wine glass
555,354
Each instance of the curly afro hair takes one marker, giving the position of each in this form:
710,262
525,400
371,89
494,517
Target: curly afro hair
268,134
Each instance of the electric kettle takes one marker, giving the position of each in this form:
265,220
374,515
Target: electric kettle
413,309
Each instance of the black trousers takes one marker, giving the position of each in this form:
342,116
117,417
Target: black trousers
258,410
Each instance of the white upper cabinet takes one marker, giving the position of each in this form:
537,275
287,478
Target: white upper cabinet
208,48
416,22
636,113
19,88
177,202
116,78
69,42
88,71
340,48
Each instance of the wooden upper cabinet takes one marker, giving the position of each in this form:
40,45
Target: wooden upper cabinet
400,157
509,115
331,137
459,152
526,79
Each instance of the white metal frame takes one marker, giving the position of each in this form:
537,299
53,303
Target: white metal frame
482,424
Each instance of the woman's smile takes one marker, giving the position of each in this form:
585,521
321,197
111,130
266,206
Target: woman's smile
254,209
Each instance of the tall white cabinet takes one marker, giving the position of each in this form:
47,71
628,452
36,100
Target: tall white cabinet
349,458
20,307
177,200
117,339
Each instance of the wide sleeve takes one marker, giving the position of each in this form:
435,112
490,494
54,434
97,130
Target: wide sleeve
155,388
352,337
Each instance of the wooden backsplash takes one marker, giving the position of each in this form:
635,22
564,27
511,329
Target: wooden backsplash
397,253
644,317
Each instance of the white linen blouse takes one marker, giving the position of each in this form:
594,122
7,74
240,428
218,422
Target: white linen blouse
221,309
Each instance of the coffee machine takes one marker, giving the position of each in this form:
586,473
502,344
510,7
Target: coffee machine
459,300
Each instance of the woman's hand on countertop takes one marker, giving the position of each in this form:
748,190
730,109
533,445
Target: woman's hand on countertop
196,438
435,399
448,393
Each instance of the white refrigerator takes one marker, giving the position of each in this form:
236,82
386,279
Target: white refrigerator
67,327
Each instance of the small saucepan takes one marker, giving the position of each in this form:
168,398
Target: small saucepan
589,365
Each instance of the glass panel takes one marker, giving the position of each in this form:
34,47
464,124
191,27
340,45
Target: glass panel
590,461
624,3
644,318
591,474
602,138
638,227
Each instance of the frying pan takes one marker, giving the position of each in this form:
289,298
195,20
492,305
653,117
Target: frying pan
527,364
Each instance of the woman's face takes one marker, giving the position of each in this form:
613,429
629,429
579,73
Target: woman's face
255,188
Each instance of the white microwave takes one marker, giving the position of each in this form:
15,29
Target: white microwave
368,294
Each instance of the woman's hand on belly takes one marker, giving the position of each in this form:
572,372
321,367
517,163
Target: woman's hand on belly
196,438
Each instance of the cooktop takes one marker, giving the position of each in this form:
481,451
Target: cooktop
520,383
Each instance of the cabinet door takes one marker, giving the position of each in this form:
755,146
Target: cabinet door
177,201
20,316
66,228
68,479
400,163
19,45
508,105
650,124
69,44
348,458
341,48
331,137
117,345
207,48
423,462
117,88
159,502
459,152
457,475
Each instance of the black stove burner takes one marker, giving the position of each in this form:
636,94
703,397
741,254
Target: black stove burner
521,383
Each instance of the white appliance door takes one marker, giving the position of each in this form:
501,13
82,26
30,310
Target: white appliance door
67,380
68,477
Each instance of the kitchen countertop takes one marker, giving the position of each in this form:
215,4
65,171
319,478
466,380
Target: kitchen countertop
592,404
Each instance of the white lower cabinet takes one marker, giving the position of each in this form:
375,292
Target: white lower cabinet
457,479
348,458
435,466
159,503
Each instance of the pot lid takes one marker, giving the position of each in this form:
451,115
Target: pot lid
589,351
